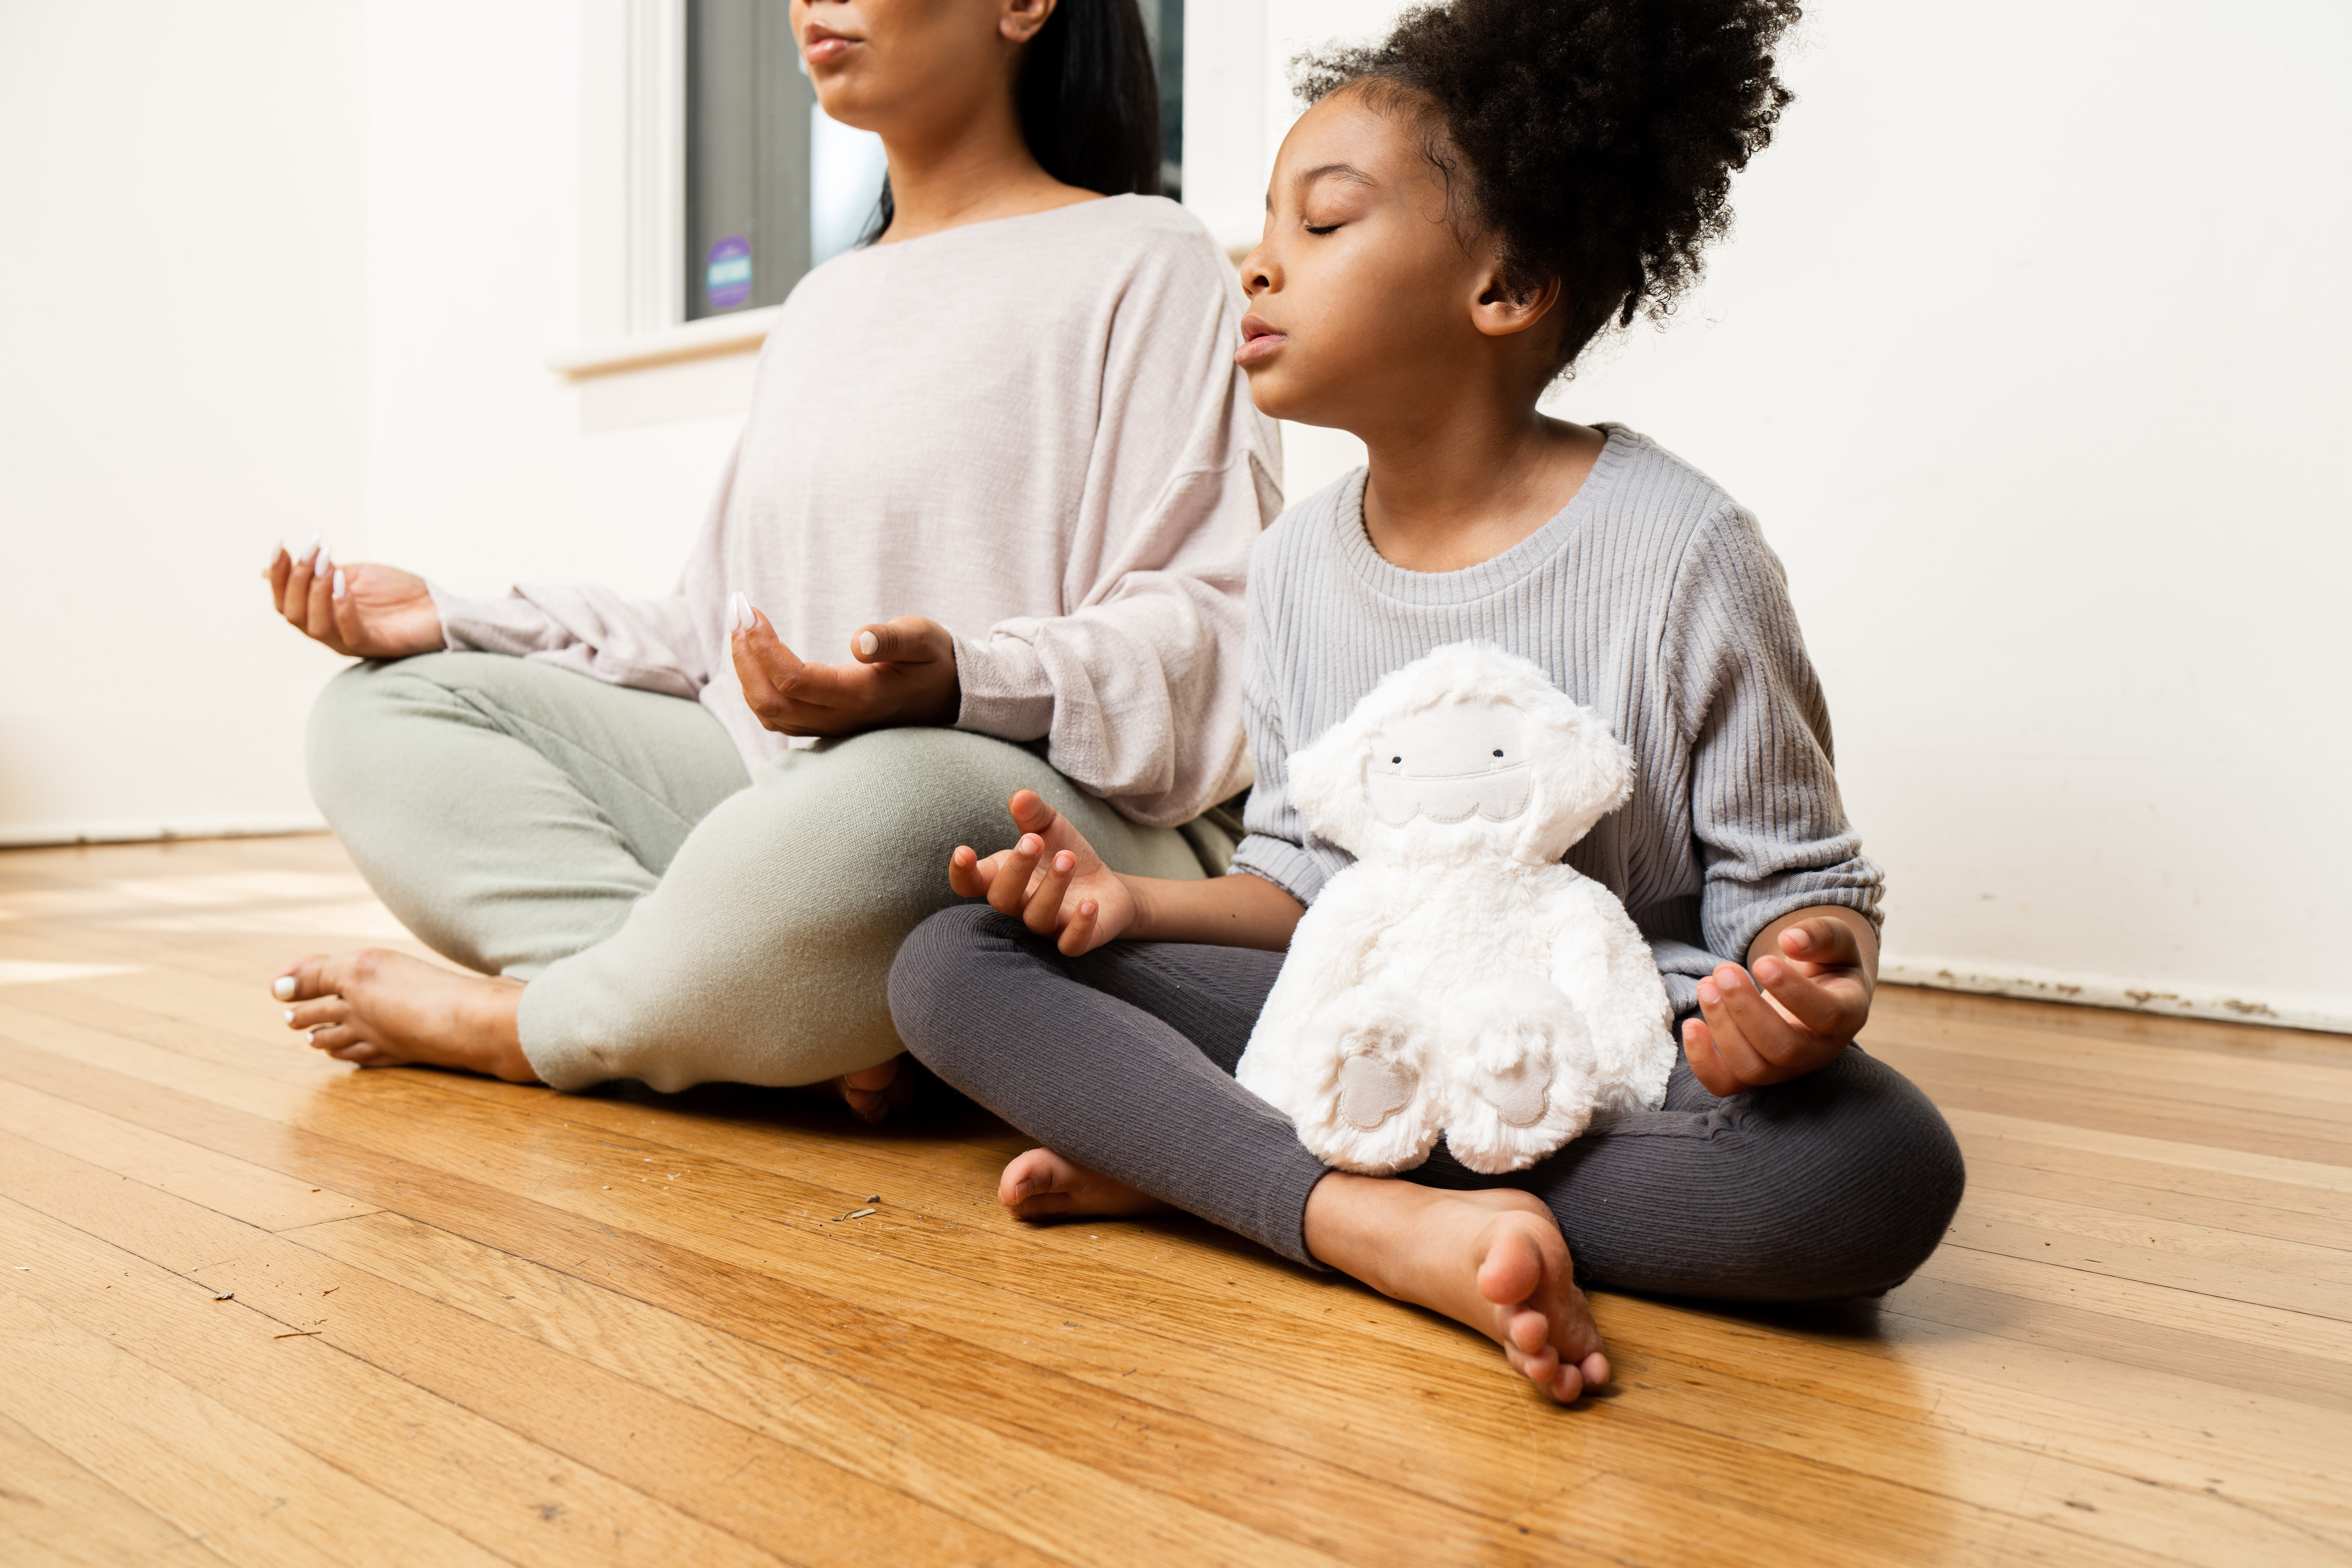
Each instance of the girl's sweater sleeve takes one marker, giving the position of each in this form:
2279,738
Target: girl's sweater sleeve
1771,830
1135,688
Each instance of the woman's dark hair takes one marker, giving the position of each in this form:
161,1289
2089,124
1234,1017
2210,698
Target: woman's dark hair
1594,140
1089,101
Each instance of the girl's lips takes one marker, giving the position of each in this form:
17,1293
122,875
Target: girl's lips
1259,342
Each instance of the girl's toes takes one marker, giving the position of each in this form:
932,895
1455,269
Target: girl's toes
1528,1332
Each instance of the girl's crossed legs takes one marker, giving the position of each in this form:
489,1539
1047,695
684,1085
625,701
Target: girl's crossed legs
1120,1061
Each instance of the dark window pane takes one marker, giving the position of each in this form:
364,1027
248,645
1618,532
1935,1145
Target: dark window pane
747,156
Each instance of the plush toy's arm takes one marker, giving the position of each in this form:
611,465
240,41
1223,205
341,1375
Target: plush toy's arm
1601,962
1326,957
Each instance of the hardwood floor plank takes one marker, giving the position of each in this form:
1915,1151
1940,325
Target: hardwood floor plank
2244,1078
2314,1280
1017,1489
53,1511
453,1467
239,1188
757,1492
2091,1104
242,1489
2135,1190
1263,1486
2132,1350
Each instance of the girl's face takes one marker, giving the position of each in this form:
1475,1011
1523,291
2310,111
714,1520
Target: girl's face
1366,299
896,67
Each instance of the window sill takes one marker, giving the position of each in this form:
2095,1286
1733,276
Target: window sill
742,332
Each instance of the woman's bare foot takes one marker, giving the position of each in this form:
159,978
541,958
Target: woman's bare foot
875,1092
384,1009
1041,1185
1492,1259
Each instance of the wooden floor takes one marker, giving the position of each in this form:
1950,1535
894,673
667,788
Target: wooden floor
255,1307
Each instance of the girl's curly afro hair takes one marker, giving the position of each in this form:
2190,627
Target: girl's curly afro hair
1595,139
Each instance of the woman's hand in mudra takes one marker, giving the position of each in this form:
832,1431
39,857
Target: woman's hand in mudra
365,610
904,673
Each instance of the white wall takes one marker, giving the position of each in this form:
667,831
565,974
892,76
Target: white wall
2024,352
482,465
182,288
2029,352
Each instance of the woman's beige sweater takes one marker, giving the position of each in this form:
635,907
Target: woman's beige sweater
1030,430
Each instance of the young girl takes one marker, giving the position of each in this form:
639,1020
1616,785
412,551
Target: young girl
1461,210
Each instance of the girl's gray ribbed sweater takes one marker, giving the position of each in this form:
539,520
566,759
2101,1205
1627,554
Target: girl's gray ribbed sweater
1653,599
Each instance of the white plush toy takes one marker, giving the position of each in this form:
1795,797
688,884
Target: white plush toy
1458,978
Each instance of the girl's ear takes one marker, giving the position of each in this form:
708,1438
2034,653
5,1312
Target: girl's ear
1021,20
1501,309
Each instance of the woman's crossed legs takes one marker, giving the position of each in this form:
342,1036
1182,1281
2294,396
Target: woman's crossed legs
1121,1062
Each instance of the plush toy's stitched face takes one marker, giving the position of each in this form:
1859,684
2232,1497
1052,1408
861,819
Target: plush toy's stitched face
1449,763
1412,775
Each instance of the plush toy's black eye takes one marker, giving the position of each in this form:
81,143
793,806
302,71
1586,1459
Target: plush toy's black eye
1498,750
1400,761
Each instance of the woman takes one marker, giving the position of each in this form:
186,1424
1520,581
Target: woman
674,848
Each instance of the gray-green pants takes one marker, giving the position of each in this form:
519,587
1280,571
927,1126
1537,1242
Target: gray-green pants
678,921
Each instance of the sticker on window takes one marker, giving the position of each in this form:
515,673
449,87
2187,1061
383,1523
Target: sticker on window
726,277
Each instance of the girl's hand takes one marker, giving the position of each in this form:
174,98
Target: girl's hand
365,611
905,674
1072,895
1815,999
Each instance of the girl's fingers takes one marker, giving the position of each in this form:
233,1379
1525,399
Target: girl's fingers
1698,1047
1730,1032
1010,891
963,872
1078,936
1821,940
1045,911
1030,812
1807,1000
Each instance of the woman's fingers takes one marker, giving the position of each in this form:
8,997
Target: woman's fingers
909,639
319,614
343,608
294,590
1044,910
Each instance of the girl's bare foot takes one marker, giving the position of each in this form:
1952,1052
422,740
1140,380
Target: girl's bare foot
385,1009
1041,1185
1493,1259
875,1092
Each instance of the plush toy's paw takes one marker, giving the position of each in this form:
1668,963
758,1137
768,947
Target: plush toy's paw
1369,1101
1521,1082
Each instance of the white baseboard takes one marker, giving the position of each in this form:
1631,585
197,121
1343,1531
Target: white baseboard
40,835
2331,1014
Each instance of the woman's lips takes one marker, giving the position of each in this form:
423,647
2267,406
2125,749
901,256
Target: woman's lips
822,46
1259,341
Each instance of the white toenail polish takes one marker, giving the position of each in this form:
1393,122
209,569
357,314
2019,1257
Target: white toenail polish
289,1017
283,988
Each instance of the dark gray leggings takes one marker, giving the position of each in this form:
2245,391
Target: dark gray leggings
1835,1186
